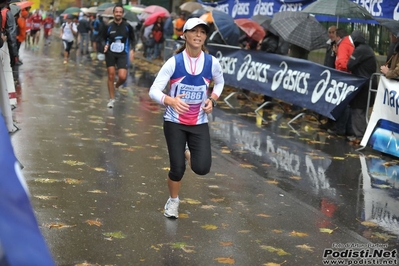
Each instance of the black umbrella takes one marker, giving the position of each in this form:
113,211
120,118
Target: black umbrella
197,13
392,26
339,9
300,29
264,21
226,27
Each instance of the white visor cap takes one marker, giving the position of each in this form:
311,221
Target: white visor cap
191,23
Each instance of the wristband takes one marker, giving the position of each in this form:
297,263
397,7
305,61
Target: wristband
213,101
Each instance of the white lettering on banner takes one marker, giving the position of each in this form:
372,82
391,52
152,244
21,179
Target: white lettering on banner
283,158
292,79
224,8
318,177
288,161
253,70
391,99
335,94
291,7
396,12
240,9
265,9
228,64
372,6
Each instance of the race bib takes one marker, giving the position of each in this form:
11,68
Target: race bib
117,46
36,25
194,94
47,26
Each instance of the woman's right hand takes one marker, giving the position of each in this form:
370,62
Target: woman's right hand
179,105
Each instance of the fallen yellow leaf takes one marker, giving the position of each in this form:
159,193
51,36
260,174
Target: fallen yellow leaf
216,174
368,223
273,182
246,165
46,180
119,144
326,230
381,186
338,158
73,163
217,200
263,215
96,191
228,260
99,169
208,207
277,231
59,225
112,235
305,247
154,247
294,177
226,244
299,234
72,181
279,251
190,201
183,215
209,227
382,236
274,264
94,222
45,197
387,164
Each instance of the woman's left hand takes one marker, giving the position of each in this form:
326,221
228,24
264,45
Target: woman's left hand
208,107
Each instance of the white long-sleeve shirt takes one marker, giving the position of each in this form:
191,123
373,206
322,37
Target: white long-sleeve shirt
193,67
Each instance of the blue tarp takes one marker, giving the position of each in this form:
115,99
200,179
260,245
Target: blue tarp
20,237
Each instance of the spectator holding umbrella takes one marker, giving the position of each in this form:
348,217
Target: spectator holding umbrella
157,33
391,67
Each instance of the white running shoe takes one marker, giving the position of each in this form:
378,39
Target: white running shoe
111,103
171,208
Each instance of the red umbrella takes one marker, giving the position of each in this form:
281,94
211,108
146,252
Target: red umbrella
152,18
251,28
155,8
24,4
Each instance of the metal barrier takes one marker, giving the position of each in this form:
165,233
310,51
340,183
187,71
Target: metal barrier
371,90
169,47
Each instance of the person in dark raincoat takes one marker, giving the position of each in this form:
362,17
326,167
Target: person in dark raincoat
361,63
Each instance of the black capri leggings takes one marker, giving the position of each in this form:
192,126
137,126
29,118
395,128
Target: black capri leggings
199,143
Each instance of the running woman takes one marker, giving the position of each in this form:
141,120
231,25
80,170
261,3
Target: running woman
119,36
68,31
48,25
189,72
37,22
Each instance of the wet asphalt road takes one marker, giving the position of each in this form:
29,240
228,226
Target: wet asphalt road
97,177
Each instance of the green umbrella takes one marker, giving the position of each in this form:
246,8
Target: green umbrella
130,16
104,6
71,10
